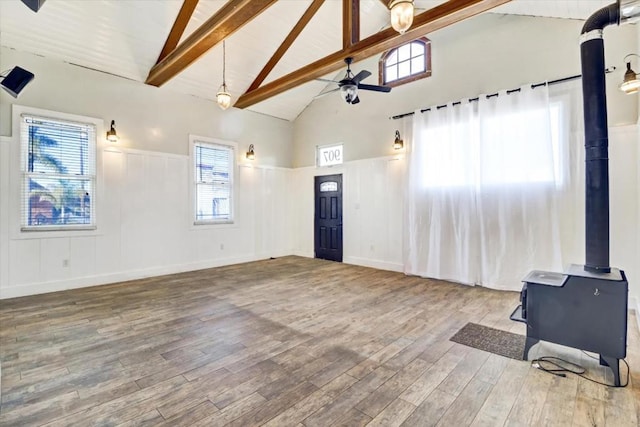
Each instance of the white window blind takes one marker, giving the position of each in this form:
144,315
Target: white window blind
59,174
213,167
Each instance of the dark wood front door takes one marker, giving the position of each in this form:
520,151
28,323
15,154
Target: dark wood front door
328,217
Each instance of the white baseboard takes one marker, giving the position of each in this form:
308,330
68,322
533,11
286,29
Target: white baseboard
83,282
373,263
303,253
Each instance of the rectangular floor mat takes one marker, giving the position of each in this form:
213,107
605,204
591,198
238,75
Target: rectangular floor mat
492,340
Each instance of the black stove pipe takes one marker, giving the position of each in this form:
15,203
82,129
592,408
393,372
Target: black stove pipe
596,138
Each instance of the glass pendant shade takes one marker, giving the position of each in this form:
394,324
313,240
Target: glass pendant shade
349,92
223,97
401,15
630,84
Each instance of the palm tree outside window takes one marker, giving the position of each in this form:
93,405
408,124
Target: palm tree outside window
58,174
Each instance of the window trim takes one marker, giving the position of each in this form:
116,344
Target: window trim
195,140
412,77
321,147
18,174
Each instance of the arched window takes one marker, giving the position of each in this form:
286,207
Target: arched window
406,63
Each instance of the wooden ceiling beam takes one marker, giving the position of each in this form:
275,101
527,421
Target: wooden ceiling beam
286,44
350,22
179,25
431,20
227,20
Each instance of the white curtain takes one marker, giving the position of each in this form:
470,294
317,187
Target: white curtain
484,180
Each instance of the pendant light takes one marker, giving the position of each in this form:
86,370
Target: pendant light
223,97
401,15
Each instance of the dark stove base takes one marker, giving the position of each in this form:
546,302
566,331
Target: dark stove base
611,362
578,309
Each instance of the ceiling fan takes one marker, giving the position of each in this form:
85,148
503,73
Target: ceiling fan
350,84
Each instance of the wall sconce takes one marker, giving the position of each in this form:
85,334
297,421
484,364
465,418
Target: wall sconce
112,136
630,84
398,144
250,154
401,15
15,80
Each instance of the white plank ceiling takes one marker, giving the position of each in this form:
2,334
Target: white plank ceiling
124,38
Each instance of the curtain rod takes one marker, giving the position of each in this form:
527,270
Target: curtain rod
533,86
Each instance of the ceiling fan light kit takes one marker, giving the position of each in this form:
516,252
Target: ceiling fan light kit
349,93
401,15
350,84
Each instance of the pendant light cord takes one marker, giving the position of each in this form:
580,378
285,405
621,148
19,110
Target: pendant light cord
224,65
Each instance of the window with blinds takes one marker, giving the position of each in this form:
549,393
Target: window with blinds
213,167
59,174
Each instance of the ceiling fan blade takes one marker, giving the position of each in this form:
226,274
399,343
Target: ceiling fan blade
327,80
355,101
361,76
320,95
374,88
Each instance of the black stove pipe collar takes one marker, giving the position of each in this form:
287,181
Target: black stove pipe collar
596,138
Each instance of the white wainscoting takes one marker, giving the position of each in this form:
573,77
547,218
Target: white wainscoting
144,226
372,210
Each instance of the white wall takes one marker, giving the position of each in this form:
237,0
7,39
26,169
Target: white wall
624,155
483,54
372,211
143,211
147,117
637,297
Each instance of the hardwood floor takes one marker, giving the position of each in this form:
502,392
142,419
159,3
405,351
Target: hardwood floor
286,342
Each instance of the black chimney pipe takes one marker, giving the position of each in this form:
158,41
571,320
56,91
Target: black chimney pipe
596,138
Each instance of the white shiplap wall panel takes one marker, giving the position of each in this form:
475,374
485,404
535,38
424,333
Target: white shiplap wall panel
24,262
247,51
123,38
54,259
371,206
293,101
82,250
572,9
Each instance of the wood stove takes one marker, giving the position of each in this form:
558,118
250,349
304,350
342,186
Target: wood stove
578,309
586,307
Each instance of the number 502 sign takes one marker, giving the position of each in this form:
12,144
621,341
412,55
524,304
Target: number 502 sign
329,155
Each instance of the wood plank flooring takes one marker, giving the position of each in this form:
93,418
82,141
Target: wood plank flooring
286,342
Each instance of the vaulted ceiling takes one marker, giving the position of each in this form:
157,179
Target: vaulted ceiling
274,49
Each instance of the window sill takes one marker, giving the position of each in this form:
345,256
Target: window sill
206,225
56,232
